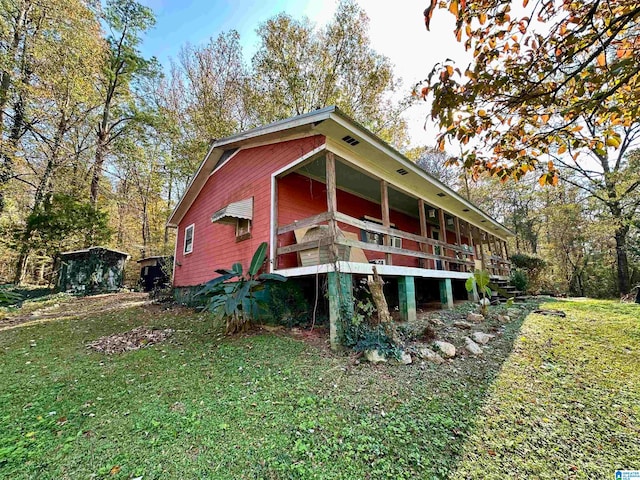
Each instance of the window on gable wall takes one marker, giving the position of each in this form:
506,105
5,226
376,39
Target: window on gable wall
243,229
239,214
188,238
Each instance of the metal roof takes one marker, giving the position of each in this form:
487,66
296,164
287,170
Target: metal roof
241,209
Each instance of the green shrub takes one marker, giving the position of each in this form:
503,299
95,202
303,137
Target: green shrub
520,280
287,305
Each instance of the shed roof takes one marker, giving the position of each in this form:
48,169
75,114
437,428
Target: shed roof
88,250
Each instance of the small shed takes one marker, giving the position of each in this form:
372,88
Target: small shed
93,270
154,272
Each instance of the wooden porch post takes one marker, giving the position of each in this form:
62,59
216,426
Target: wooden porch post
471,243
384,201
494,265
340,286
423,231
407,298
332,203
443,235
274,240
458,254
480,239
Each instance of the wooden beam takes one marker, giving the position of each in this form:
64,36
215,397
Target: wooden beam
423,230
456,222
479,242
443,234
332,201
376,227
470,239
274,221
306,222
384,203
393,250
296,247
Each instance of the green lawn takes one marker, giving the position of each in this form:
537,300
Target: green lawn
552,398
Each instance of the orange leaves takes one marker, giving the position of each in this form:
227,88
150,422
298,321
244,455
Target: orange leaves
562,149
453,7
550,178
602,59
482,18
525,3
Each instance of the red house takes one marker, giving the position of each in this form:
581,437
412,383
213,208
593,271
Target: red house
331,198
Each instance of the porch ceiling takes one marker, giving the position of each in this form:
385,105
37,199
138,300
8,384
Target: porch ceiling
362,185
358,183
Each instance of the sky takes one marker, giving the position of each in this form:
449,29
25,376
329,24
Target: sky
396,30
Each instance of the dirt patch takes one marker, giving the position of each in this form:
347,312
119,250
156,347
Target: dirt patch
64,308
135,339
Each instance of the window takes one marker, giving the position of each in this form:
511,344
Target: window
243,229
378,238
188,239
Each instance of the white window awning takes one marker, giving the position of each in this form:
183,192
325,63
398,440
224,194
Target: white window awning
233,211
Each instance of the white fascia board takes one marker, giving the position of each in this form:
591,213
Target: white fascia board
367,269
300,120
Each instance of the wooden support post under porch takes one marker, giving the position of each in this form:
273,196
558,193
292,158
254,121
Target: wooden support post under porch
446,293
407,298
340,286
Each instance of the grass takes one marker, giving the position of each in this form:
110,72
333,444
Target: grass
560,402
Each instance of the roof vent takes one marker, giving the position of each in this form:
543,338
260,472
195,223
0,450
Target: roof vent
482,221
465,209
350,140
402,171
442,194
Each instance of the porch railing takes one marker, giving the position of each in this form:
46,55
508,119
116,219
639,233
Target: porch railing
451,254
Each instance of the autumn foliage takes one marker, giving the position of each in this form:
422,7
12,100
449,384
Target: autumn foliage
549,80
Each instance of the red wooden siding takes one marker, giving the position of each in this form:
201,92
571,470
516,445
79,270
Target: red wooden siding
300,197
248,174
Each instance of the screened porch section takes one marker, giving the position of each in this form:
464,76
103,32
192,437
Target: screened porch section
329,210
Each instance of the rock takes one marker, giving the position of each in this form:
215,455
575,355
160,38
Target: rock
475,317
405,358
504,318
513,312
374,356
472,347
428,354
481,338
485,302
447,350
462,325
437,321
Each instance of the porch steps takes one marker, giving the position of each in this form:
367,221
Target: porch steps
502,290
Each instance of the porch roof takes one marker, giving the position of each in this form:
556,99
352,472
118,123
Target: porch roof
348,136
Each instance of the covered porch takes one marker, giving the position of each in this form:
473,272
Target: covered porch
331,216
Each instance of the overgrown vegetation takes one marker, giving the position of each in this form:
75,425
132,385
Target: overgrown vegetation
234,296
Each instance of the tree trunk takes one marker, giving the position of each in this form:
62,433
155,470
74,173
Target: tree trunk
23,257
42,192
621,259
101,151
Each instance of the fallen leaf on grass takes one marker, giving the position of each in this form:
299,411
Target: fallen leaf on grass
114,470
